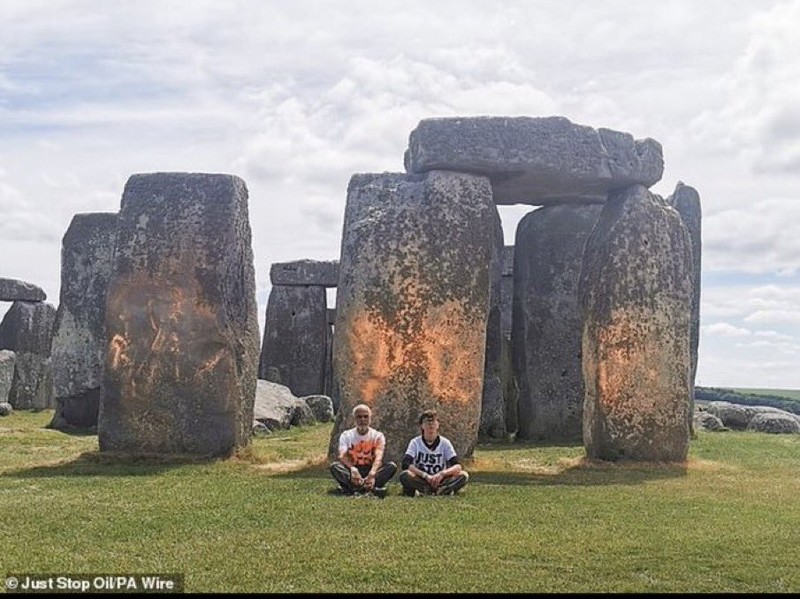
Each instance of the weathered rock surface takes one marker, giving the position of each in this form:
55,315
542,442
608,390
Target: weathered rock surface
538,160
635,298
12,290
27,330
305,272
547,324
295,338
181,319
277,408
708,422
79,338
739,416
321,406
412,304
507,291
7,361
493,416
774,423
6,409
686,201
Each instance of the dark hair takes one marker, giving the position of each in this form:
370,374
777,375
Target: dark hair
428,415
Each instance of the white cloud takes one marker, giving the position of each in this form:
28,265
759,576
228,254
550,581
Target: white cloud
763,237
773,317
724,329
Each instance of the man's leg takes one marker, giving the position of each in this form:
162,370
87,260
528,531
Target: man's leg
342,475
413,483
452,484
385,473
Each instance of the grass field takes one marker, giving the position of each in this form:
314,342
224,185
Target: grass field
789,393
532,519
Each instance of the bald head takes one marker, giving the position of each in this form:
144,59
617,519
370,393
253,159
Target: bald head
362,414
362,408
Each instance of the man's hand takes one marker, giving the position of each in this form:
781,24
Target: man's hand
355,477
435,480
369,482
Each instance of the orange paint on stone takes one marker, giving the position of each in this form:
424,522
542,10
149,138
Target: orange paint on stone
173,345
374,355
452,370
446,348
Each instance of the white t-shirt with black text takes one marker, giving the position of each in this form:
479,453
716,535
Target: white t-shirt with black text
433,459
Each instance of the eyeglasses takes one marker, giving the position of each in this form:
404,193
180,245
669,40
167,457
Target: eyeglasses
361,416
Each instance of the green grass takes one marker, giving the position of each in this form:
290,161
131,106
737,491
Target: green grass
532,519
788,393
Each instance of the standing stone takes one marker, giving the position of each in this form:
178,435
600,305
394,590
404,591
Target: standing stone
7,360
79,340
507,290
295,337
27,330
547,324
181,320
686,201
507,376
329,360
493,408
635,296
412,304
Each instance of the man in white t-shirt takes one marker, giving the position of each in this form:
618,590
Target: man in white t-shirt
430,464
360,469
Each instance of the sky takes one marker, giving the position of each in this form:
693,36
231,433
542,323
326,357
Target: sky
295,97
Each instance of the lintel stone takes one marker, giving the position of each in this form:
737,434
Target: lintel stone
305,272
12,290
536,160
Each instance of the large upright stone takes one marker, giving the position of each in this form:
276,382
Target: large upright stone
635,297
27,330
181,318
12,290
540,160
305,272
7,361
547,324
686,201
507,290
493,407
79,338
507,375
295,338
412,304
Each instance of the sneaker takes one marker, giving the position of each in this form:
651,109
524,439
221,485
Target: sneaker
380,492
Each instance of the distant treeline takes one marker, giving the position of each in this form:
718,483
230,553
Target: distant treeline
750,399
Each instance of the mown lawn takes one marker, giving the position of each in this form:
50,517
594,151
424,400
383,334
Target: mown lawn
532,519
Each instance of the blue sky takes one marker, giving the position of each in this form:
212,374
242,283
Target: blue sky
295,97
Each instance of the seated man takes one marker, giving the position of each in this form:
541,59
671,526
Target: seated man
430,465
360,468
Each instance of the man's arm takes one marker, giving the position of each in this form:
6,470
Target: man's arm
369,481
344,458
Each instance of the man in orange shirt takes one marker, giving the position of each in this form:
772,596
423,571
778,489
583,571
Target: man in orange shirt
360,469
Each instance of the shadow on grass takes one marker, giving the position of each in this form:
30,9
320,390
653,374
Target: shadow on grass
583,472
94,463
